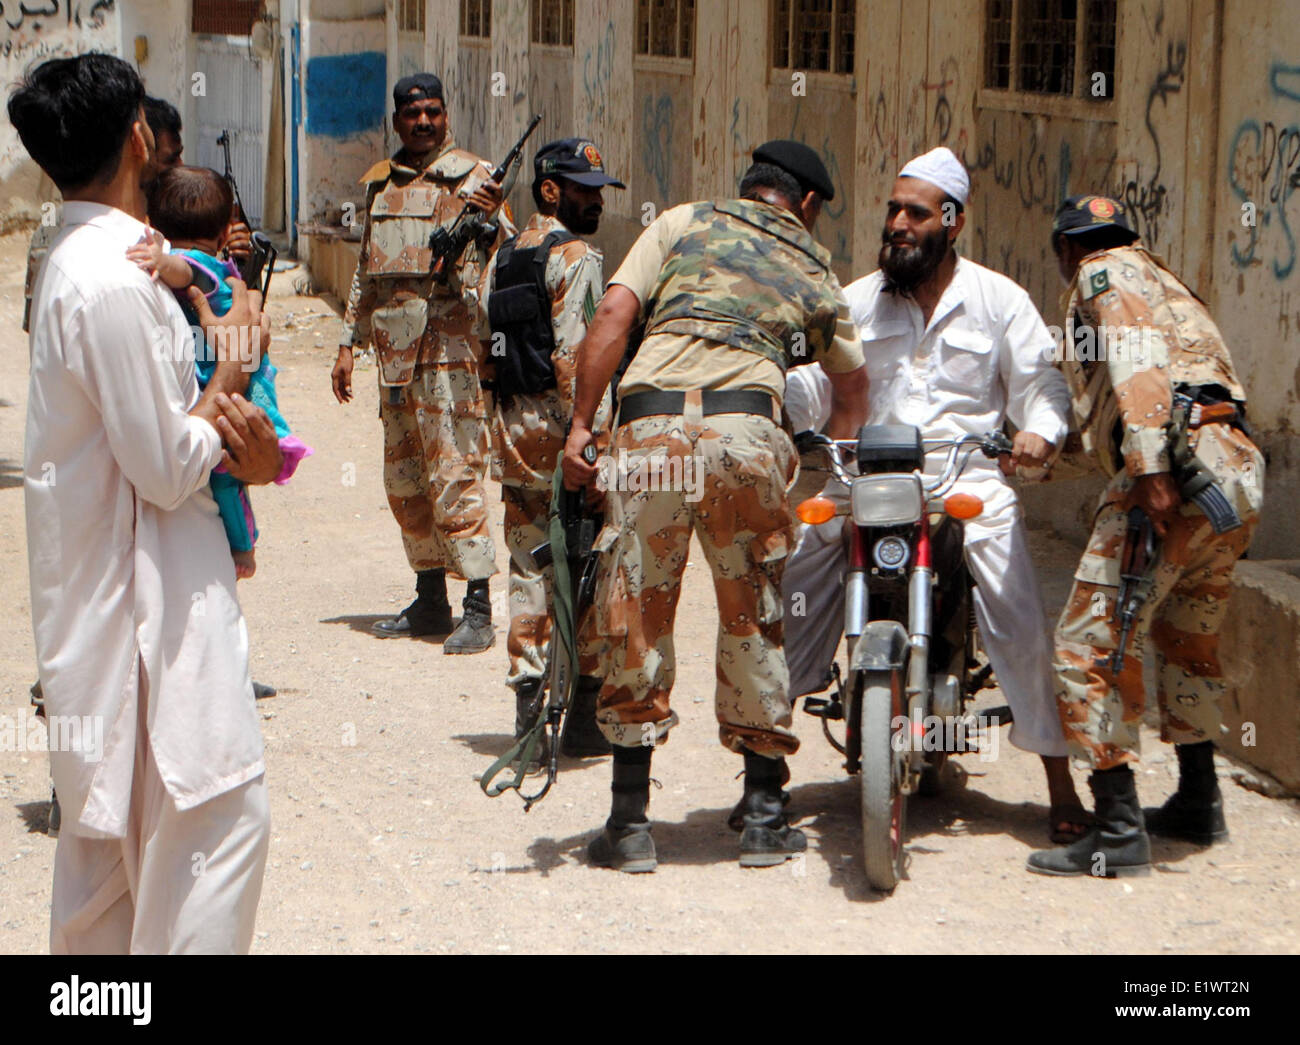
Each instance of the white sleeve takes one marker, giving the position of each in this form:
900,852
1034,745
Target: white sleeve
1038,399
808,398
117,350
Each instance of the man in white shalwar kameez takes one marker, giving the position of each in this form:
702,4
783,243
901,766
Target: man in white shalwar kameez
138,630
954,349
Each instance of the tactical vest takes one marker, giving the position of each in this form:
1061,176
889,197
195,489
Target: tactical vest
404,210
519,309
741,276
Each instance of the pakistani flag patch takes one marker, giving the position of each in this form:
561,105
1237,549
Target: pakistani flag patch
1098,282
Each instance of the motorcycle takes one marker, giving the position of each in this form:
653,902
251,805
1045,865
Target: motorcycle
909,622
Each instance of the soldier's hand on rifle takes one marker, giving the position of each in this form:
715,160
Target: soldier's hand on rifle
1156,495
577,472
487,197
341,375
239,241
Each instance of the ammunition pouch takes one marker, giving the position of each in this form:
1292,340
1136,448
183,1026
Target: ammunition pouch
397,331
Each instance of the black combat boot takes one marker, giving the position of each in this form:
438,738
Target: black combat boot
625,844
1118,847
582,735
525,715
767,838
429,614
475,632
736,819
1194,812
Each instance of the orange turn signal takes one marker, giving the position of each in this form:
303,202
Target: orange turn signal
816,510
963,505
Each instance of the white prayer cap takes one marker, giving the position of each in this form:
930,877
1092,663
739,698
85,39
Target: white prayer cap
942,168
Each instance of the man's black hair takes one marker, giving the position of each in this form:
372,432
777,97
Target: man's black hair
74,115
770,176
960,208
162,117
1097,239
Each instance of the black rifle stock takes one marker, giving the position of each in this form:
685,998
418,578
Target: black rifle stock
449,243
262,254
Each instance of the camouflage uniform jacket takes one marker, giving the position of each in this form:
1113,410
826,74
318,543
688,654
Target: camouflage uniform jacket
748,274
528,434
1138,332
394,298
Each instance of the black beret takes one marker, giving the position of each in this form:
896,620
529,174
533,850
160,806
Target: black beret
416,88
799,161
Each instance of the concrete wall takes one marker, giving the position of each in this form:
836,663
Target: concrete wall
64,27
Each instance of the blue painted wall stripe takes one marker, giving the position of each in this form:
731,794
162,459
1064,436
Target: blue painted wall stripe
346,93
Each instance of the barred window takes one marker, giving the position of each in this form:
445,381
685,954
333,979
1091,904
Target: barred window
225,17
1054,47
476,18
814,35
553,22
410,16
665,28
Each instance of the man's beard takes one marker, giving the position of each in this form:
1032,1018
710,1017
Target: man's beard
906,267
575,219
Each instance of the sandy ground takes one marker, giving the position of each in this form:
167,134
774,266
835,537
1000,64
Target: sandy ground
383,841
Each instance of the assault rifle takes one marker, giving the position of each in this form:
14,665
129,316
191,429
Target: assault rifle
261,257
448,243
1136,573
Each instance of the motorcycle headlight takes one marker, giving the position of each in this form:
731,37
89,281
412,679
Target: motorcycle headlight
891,553
886,500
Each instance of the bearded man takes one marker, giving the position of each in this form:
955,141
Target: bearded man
954,349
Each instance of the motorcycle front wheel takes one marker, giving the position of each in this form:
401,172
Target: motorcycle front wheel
884,759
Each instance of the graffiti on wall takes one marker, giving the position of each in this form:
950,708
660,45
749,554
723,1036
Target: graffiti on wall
1263,173
656,142
1148,198
34,31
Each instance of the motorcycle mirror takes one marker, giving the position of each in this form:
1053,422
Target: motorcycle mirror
963,506
816,510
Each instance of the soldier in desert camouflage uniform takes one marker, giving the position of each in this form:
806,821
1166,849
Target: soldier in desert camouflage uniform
423,331
1140,339
539,292
732,293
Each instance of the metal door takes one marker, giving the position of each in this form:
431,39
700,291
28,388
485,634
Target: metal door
233,81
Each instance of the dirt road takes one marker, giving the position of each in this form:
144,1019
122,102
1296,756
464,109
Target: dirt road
382,840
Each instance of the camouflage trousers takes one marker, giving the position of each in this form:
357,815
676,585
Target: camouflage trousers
526,525
725,478
1179,623
435,462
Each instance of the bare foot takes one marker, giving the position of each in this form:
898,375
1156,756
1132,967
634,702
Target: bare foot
245,564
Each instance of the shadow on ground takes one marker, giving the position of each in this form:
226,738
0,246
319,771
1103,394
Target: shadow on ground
363,623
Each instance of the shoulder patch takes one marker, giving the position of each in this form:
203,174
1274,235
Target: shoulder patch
379,172
1097,282
588,306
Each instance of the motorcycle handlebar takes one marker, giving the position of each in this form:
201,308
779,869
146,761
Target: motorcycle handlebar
991,444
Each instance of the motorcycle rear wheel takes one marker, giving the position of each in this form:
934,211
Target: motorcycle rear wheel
884,804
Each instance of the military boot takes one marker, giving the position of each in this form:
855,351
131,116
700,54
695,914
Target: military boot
1194,813
1118,847
582,735
767,838
525,715
625,843
475,632
429,614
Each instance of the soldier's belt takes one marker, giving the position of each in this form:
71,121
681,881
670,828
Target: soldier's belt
651,404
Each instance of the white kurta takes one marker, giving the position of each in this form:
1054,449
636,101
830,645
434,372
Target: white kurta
130,568
984,356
